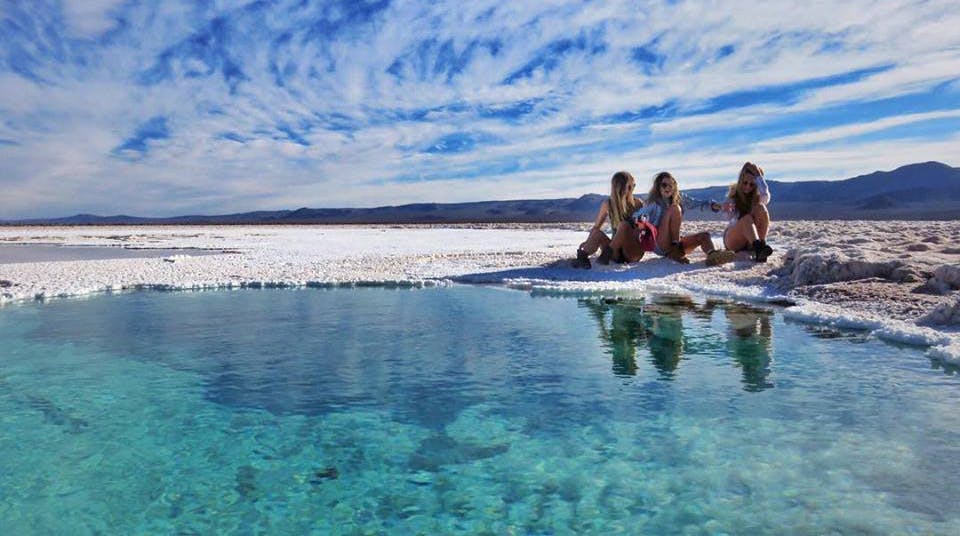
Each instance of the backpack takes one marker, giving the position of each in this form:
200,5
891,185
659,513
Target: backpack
647,235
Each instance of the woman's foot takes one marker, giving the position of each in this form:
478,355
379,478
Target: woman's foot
582,260
720,256
761,250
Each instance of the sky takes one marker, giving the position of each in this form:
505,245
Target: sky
160,108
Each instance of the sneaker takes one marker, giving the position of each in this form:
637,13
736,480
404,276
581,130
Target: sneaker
582,260
720,256
761,250
605,254
676,253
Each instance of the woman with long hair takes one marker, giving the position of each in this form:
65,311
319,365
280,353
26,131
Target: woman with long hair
746,206
664,210
616,208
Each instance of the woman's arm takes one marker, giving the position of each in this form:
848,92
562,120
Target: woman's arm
729,209
601,216
650,212
763,189
687,202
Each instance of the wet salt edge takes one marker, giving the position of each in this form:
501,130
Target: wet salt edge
524,258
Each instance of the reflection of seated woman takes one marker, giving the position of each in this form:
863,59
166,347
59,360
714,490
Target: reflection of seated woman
626,329
659,323
750,345
623,335
664,326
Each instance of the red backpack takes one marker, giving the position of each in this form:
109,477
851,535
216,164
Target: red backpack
647,235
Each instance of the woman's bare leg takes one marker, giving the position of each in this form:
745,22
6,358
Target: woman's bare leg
742,235
748,233
668,236
595,241
668,231
690,242
625,244
632,251
761,217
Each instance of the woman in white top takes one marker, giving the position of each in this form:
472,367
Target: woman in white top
746,206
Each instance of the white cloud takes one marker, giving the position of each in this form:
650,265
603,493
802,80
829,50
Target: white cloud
366,126
89,18
915,74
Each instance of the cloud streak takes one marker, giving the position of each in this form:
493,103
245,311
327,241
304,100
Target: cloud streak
229,106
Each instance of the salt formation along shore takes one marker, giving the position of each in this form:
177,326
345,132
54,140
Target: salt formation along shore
901,280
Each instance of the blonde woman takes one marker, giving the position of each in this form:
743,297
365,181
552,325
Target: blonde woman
615,209
746,206
664,210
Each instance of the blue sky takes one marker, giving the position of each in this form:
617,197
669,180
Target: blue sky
159,108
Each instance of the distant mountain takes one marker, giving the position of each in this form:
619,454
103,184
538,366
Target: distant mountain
914,182
929,190
524,211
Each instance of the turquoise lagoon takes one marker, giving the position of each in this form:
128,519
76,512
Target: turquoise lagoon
463,410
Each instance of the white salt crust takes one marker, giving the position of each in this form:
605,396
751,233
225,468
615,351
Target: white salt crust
898,281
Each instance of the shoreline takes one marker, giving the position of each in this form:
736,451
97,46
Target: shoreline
900,281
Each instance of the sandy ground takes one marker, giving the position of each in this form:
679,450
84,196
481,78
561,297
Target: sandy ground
894,277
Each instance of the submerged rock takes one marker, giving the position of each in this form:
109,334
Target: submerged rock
246,481
439,450
54,414
326,473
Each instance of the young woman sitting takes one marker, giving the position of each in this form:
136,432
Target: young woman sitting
746,206
664,209
616,209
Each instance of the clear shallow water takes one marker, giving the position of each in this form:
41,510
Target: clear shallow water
463,410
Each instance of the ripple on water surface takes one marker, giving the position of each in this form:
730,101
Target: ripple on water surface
463,410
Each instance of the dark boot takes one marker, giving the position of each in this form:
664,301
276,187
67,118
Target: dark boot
582,261
761,250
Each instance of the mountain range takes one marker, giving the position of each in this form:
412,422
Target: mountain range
923,191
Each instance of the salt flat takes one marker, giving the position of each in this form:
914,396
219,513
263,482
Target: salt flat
899,279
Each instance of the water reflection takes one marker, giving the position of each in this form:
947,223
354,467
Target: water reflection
657,323
625,325
750,344
622,334
665,336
